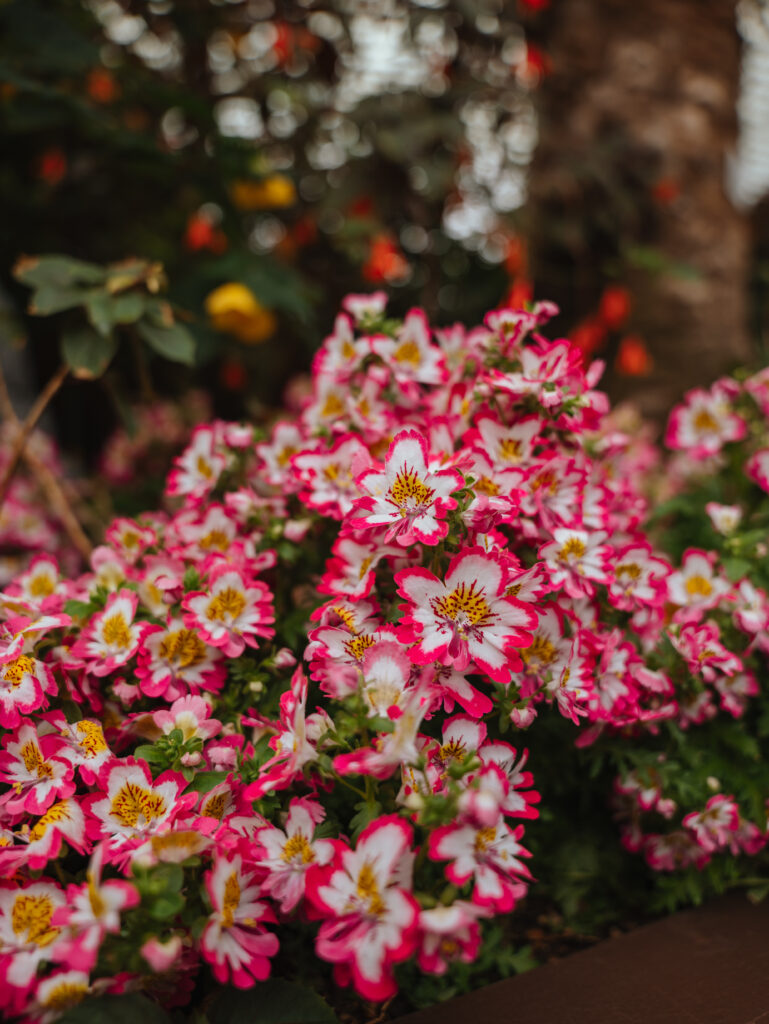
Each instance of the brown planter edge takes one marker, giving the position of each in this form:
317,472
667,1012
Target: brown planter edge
704,966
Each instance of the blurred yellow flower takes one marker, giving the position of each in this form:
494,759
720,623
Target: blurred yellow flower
271,193
235,309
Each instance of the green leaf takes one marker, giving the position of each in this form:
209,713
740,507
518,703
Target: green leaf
125,1009
99,308
273,1002
77,609
51,299
167,906
174,342
149,752
86,353
205,781
736,568
57,272
127,308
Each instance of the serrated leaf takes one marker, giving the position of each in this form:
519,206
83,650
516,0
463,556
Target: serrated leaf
174,342
125,1009
204,782
86,353
278,1002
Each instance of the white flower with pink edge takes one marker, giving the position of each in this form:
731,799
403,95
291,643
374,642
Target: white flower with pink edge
112,637
288,853
487,854
370,914
234,613
93,909
466,617
576,560
704,423
234,941
406,498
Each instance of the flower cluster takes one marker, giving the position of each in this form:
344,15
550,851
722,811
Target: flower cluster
292,702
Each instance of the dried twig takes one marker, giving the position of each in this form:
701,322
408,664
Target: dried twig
29,424
57,499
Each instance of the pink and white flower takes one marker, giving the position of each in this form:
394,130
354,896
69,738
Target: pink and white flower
235,942
92,911
288,853
112,637
234,612
466,617
370,914
406,497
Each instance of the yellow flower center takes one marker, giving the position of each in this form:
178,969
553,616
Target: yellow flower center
705,420
65,995
467,602
541,653
214,806
629,570
98,906
699,586
485,485
134,805
215,539
408,352
231,900
116,632
510,449
15,671
346,616
297,846
204,468
356,646
573,548
454,750
184,647
57,812
174,841
91,738
484,838
408,487
285,455
333,406
41,585
228,602
546,481
33,761
31,918
331,472
368,890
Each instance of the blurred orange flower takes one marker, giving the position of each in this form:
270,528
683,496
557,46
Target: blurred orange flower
633,358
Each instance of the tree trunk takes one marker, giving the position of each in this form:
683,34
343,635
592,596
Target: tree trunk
637,118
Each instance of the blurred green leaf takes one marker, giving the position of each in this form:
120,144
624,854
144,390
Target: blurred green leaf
174,342
125,1009
87,353
57,272
278,1002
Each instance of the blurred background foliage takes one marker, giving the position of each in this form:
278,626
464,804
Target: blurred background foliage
271,156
